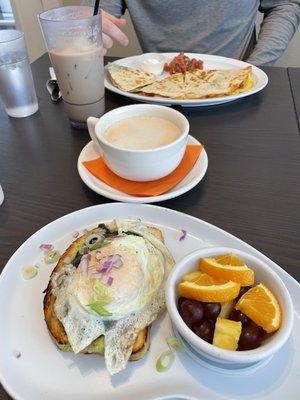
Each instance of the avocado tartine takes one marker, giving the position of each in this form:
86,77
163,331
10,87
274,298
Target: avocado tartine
106,290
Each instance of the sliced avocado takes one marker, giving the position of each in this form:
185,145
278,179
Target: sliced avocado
65,347
97,346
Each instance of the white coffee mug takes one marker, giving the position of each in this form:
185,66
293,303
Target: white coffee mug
140,165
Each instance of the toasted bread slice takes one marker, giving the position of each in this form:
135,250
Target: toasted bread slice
56,328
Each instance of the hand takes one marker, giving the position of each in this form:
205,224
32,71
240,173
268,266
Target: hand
111,28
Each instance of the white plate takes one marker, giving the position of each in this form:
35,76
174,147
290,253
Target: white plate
44,372
210,62
191,179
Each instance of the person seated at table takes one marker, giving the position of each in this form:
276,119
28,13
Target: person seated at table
225,28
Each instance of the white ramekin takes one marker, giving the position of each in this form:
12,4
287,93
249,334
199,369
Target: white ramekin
263,274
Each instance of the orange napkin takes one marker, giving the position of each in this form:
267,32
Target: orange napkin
154,188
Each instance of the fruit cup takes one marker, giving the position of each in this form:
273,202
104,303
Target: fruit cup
220,357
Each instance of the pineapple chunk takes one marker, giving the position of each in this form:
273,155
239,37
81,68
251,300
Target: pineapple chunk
226,308
227,334
191,276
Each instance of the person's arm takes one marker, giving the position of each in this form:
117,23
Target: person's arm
281,20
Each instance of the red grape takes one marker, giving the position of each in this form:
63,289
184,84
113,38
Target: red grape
205,330
180,300
242,291
191,311
211,310
237,315
251,337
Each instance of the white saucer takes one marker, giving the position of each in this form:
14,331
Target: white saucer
190,181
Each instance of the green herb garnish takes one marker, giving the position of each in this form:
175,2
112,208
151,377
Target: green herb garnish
165,361
77,259
104,227
132,233
99,309
98,245
101,291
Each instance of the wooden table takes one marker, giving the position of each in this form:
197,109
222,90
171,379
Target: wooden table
251,188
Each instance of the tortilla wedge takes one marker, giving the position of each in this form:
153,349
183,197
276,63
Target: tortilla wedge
216,83
129,79
172,86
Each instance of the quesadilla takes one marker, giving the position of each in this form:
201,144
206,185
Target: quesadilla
172,86
129,79
216,83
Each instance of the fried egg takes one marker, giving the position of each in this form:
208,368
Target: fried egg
116,291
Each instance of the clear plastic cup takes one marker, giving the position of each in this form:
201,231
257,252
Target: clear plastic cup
17,90
74,41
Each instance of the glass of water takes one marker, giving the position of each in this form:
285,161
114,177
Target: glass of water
17,90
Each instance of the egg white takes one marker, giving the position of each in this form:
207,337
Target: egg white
136,295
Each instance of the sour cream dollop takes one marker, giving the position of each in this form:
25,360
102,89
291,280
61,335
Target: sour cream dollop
153,64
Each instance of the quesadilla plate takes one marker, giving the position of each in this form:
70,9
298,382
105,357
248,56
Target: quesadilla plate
222,80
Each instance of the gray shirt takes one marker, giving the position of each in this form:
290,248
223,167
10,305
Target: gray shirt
222,27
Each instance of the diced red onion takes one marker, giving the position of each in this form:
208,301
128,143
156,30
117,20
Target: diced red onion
117,261
110,280
75,234
105,266
112,261
85,250
84,263
16,354
46,247
183,235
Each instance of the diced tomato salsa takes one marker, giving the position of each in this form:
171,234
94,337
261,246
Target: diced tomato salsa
183,63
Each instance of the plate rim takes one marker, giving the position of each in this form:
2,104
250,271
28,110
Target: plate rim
192,102
124,197
36,234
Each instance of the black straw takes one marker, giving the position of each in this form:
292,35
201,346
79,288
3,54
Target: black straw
96,7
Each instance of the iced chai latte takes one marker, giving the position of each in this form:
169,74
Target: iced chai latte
79,72
74,41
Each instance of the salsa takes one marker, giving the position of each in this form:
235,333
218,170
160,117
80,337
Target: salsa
182,63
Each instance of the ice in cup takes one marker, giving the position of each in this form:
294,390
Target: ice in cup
74,41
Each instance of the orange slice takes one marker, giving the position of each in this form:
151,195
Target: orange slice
214,293
228,267
191,276
229,259
260,305
201,278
